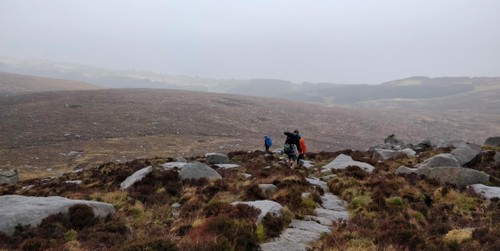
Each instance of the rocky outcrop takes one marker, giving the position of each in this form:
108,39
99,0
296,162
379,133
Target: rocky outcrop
22,210
216,158
197,170
487,192
265,206
8,176
135,177
492,141
343,161
449,174
423,146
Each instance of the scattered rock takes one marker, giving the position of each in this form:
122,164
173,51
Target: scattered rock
443,159
392,140
265,206
197,170
405,170
343,161
216,158
409,152
172,165
487,192
450,143
306,164
137,176
227,166
76,182
492,141
176,205
385,154
245,175
456,175
9,176
181,160
423,146
267,190
23,210
466,153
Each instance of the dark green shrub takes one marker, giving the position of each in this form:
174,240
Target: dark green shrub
81,216
273,225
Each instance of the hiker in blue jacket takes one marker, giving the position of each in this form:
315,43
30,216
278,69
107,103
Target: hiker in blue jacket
267,142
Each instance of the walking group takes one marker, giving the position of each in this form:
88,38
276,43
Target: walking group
294,147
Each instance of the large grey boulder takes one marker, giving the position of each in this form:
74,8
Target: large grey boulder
487,192
492,141
197,170
267,190
23,210
386,154
343,161
450,143
265,206
9,176
449,174
466,153
135,177
216,158
443,159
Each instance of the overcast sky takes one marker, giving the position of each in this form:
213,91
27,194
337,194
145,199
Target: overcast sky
337,41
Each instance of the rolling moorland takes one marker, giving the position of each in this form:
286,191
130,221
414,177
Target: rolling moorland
45,132
82,144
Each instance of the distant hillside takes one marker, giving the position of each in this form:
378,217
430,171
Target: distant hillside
415,89
16,83
73,128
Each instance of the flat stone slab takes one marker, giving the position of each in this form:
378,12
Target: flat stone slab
299,236
332,215
137,176
321,220
332,202
343,161
487,192
25,210
317,182
309,226
283,245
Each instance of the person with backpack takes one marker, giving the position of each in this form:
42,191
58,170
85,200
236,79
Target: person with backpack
267,142
290,148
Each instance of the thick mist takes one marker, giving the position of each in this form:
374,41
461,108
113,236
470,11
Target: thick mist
316,41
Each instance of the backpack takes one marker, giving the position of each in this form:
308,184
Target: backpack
287,148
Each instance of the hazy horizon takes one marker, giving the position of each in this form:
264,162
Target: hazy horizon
322,41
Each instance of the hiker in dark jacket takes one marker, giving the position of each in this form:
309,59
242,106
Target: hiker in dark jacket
294,138
290,148
267,142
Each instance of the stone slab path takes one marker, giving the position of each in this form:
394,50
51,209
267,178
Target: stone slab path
302,232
